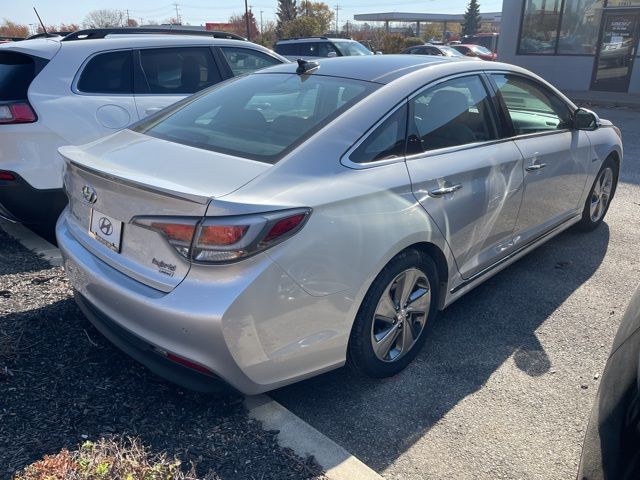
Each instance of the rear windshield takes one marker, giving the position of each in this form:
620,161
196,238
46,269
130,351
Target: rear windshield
260,117
17,71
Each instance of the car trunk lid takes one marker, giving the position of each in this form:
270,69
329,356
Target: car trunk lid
113,181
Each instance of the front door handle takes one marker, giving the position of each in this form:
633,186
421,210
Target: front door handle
535,166
438,192
152,110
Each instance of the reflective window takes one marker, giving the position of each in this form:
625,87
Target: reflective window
245,60
179,70
540,26
387,141
580,26
532,108
352,49
452,113
110,72
259,117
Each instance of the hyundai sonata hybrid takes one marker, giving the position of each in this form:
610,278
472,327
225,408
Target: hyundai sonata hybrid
282,223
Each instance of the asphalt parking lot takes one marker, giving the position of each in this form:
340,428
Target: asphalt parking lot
502,388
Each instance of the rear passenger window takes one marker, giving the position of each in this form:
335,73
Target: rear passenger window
455,112
108,73
288,49
245,60
179,71
386,142
531,107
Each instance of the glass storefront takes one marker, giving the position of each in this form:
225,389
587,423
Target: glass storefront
579,27
539,33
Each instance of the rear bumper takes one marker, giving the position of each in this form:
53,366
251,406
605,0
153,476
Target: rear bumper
144,353
247,323
21,202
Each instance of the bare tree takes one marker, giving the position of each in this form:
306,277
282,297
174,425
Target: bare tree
104,19
11,29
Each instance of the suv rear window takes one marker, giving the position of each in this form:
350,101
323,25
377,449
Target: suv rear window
110,72
17,71
259,117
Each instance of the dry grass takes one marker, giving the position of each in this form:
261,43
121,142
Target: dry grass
111,458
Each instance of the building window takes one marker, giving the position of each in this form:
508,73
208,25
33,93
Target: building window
580,26
540,22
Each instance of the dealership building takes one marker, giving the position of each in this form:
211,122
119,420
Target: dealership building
578,45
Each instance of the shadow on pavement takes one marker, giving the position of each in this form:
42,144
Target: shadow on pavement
378,421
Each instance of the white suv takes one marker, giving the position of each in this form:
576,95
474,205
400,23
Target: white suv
76,89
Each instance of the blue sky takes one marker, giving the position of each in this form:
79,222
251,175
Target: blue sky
197,12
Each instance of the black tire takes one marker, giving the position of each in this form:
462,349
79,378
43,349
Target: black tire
587,223
361,354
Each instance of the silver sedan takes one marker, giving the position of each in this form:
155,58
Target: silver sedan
285,222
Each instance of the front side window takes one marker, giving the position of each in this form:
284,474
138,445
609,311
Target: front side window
386,142
245,60
260,116
540,26
325,48
531,107
179,71
108,73
452,113
580,25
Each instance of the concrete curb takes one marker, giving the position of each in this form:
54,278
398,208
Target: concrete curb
305,440
33,242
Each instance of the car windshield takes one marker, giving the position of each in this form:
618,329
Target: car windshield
481,50
451,52
352,49
259,117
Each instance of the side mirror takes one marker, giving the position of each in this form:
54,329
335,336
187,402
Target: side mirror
332,54
584,119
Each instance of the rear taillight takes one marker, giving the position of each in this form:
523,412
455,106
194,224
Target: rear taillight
17,112
225,239
7,176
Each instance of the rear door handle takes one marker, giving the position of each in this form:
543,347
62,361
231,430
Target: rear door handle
536,166
438,192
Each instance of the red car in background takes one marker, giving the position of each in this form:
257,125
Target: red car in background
475,51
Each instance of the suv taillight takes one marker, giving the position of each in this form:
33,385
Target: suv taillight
16,112
225,239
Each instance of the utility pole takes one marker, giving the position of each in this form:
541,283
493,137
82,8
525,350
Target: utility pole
261,30
246,19
337,23
127,17
178,21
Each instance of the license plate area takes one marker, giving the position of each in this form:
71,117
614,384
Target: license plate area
105,229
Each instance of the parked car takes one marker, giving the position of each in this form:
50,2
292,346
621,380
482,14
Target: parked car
267,230
438,50
72,90
313,48
478,51
487,40
612,441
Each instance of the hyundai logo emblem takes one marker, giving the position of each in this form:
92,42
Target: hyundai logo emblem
105,225
89,194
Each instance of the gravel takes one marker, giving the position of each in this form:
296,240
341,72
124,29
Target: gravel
62,383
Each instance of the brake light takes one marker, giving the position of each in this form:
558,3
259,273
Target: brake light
7,176
225,239
19,112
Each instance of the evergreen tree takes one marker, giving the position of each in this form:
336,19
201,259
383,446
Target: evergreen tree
472,19
287,11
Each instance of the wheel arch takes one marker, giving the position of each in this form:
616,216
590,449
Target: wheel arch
442,266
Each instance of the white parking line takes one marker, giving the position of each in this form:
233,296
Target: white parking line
295,433
33,242
305,440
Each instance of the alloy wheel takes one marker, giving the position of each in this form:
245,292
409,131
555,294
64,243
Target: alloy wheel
601,194
400,315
